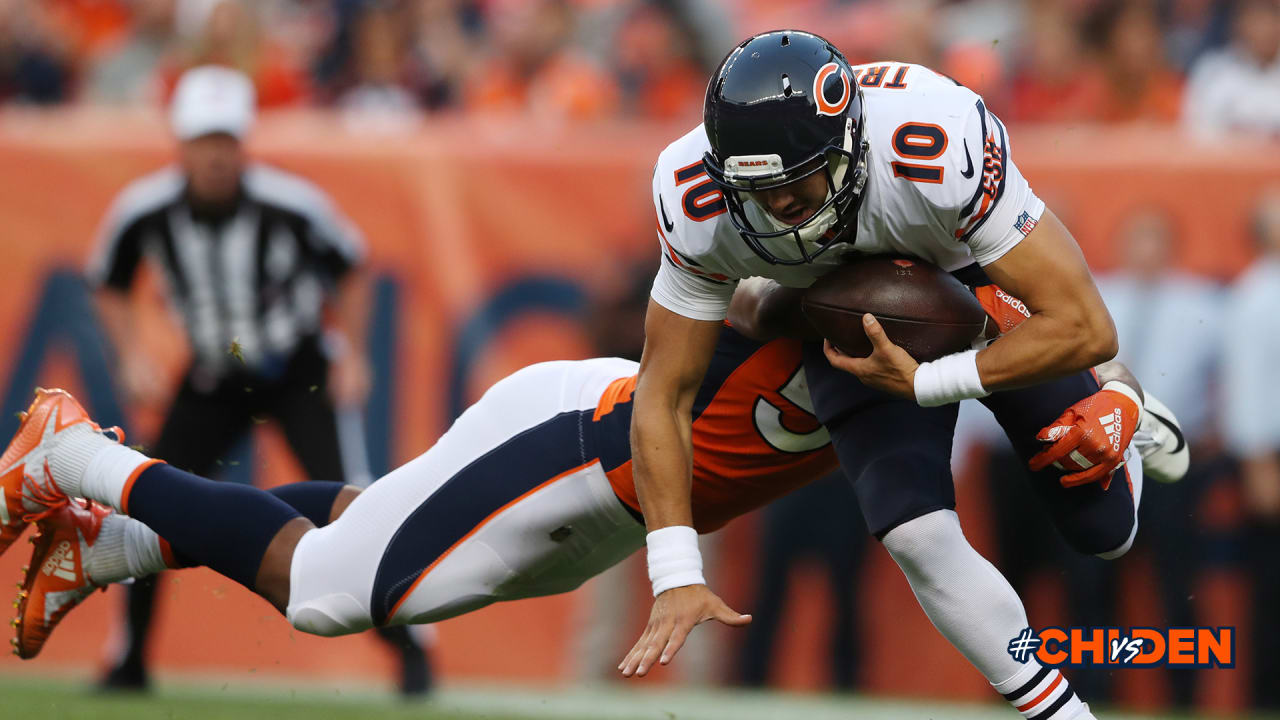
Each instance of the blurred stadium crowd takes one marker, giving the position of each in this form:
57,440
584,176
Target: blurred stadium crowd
1109,61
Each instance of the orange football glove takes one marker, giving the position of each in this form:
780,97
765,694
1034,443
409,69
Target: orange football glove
1089,439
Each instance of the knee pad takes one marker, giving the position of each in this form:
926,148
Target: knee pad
1123,547
327,596
1103,523
329,615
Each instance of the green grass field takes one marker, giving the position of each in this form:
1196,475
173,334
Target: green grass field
30,698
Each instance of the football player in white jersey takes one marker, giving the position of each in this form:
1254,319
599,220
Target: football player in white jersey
801,161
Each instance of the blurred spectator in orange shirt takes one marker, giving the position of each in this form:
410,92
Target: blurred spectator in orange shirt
656,66
1131,80
35,66
232,36
977,66
897,30
1051,85
89,26
536,69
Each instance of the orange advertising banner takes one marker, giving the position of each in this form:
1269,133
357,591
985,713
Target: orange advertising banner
491,242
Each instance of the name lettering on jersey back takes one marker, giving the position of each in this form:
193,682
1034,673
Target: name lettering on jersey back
872,76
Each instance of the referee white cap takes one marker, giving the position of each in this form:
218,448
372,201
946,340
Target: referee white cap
212,99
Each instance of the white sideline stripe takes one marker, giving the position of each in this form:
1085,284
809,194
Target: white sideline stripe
609,704
603,703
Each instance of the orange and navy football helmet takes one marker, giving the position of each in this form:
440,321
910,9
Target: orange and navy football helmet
782,106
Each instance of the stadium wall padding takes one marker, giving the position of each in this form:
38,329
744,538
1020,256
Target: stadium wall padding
489,238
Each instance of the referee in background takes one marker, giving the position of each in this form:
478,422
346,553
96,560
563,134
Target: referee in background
256,262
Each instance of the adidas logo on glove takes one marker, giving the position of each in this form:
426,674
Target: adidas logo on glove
1111,425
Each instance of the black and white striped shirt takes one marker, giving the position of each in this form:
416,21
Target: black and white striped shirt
257,276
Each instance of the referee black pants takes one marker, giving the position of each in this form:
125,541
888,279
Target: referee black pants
203,425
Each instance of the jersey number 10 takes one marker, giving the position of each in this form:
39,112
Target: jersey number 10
919,141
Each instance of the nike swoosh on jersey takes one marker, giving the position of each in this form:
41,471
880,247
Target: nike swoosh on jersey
666,222
968,171
1182,442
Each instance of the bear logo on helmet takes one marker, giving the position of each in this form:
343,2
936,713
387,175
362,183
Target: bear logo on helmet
825,106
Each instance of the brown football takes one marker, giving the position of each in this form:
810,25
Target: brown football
921,307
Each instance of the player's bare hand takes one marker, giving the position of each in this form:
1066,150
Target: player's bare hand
675,613
888,368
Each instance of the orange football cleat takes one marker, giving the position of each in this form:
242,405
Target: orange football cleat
56,580
26,488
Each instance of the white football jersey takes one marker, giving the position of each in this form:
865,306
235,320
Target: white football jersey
941,186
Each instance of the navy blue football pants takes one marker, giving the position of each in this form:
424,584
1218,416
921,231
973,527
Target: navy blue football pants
898,454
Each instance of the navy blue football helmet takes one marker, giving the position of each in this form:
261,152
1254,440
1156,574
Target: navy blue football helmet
783,105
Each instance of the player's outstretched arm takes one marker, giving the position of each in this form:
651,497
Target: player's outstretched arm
676,355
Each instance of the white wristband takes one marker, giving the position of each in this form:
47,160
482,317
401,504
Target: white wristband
1124,389
674,560
949,379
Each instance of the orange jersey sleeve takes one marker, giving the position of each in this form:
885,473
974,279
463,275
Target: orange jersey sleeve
755,437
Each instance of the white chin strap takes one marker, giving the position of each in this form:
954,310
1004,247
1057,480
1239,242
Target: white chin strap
811,233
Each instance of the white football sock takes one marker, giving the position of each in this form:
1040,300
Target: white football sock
73,449
975,608
106,473
125,549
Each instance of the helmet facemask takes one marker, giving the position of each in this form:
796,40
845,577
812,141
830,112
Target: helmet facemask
845,168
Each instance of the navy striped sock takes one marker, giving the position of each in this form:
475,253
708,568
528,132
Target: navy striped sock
224,526
313,498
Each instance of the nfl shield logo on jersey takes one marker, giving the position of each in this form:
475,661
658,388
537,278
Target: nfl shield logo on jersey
1025,223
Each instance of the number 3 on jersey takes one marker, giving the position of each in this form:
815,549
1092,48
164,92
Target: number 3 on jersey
919,141
769,418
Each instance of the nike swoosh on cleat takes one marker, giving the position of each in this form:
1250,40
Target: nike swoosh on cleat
662,208
1182,442
968,171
